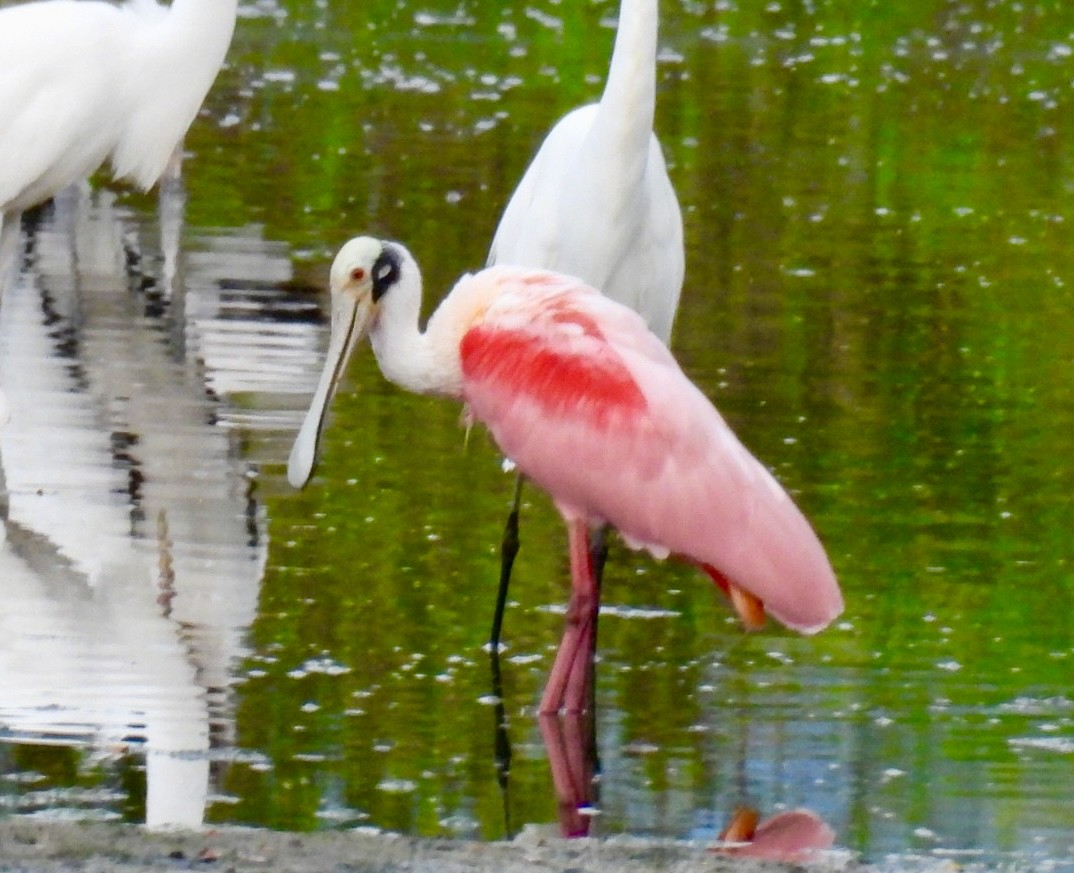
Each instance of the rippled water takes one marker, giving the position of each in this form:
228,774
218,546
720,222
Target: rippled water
877,298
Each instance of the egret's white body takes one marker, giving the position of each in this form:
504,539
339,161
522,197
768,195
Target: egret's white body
596,201
85,81
593,408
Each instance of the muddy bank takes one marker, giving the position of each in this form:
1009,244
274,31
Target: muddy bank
31,847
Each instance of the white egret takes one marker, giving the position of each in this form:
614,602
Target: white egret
596,202
85,81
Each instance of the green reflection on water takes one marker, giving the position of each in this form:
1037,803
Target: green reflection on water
878,256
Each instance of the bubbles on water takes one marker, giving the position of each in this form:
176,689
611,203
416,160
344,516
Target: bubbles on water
1058,745
341,815
397,786
640,748
523,660
458,18
323,665
1033,706
551,22
460,825
279,77
392,75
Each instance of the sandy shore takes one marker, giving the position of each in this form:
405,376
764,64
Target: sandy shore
31,847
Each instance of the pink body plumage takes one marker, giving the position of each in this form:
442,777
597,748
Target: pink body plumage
594,409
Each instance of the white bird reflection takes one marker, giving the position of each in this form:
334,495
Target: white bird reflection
132,549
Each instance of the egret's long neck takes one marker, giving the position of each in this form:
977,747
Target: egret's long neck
628,103
200,32
213,19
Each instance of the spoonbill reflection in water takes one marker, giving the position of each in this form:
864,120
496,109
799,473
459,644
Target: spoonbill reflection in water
794,837
593,408
596,202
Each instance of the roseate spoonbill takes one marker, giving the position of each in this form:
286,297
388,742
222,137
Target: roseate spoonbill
594,409
596,202
82,81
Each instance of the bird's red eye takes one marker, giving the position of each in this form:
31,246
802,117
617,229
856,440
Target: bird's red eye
358,274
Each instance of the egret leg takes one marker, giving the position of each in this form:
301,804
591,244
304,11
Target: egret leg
570,679
172,206
174,169
508,550
9,243
501,741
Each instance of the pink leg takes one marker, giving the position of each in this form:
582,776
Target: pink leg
568,682
571,751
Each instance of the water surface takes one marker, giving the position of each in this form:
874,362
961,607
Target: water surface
876,205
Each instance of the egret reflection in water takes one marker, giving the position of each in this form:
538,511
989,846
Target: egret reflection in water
133,548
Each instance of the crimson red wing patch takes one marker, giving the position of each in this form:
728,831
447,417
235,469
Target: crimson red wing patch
562,364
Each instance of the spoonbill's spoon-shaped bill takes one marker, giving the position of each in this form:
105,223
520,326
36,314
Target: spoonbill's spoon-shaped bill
350,323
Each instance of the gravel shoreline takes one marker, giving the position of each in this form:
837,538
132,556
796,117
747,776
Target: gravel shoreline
27,846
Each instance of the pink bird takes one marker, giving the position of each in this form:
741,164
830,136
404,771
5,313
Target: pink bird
593,408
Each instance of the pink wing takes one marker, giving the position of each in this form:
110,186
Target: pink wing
593,408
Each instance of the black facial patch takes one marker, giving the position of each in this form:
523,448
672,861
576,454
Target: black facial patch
385,271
